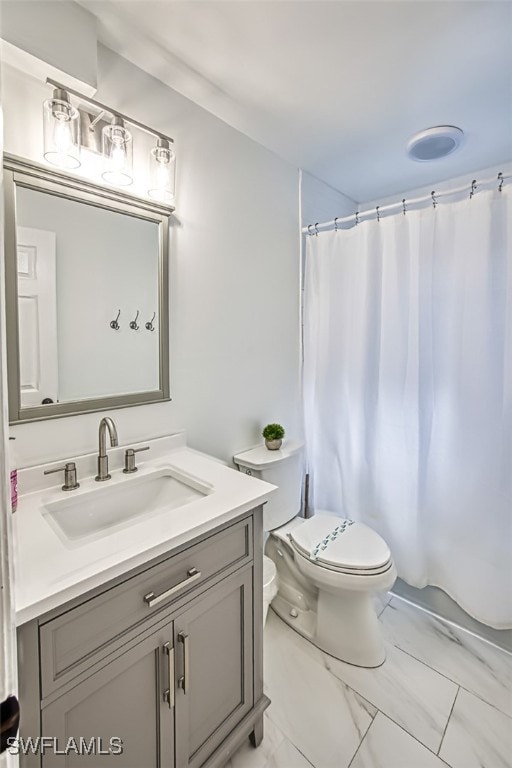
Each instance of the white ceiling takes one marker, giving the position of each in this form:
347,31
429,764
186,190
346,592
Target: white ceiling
337,87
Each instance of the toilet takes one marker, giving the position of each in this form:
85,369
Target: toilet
328,568
269,584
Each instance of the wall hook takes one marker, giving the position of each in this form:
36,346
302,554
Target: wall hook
149,324
133,324
114,324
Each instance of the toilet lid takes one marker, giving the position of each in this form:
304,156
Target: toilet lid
334,541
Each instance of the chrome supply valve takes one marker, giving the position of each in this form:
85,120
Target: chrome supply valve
129,459
70,478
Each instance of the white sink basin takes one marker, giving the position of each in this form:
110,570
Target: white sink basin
126,500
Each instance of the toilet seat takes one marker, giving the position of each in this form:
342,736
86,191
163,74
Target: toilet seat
341,545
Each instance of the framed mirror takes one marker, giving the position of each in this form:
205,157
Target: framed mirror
87,295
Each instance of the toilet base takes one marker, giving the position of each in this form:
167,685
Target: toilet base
344,626
348,628
302,621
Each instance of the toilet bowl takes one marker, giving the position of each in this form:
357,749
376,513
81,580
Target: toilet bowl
328,568
269,584
328,571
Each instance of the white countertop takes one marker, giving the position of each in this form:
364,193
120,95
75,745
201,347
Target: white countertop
49,571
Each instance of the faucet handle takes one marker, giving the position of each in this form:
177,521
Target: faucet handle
129,459
70,478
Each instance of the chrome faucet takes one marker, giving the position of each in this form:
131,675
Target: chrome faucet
105,423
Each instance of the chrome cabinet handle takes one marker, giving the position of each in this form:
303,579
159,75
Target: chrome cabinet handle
192,575
169,693
184,681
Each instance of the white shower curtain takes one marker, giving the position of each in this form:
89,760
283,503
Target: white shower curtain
408,391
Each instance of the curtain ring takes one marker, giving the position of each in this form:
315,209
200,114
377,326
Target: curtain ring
433,195
336,224
501,180
316,228
378,214
357,218
309,229
403,206
473,188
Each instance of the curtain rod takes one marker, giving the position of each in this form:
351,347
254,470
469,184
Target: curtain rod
355,218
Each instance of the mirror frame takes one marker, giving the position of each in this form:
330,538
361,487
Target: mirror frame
25,173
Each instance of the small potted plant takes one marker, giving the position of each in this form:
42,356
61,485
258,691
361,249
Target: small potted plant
273,434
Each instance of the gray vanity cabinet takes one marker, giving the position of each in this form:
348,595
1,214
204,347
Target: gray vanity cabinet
122,700
213,640
166,660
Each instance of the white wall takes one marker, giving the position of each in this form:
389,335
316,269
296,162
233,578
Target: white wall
320,202
57,37
234,277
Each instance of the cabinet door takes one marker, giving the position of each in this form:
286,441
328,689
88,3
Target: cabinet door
213,641
130,700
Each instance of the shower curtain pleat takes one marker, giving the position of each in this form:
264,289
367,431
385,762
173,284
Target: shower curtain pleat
408,391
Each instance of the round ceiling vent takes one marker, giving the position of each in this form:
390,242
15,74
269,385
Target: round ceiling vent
433,143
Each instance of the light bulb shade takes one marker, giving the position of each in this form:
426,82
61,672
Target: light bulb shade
117,147
162,172
61,125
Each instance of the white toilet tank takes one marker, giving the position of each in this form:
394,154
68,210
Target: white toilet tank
282,468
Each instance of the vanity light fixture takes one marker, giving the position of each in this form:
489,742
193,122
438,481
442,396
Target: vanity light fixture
62,142
162,167
61,125
117,148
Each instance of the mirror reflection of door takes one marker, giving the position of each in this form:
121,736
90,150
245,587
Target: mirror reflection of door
37,315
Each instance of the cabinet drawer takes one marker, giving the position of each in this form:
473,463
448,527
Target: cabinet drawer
81,637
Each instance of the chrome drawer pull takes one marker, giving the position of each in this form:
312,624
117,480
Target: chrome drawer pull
184,681
169,693
192,575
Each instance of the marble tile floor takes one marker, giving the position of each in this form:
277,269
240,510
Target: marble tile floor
442,698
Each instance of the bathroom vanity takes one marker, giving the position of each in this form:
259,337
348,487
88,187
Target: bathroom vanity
161,663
